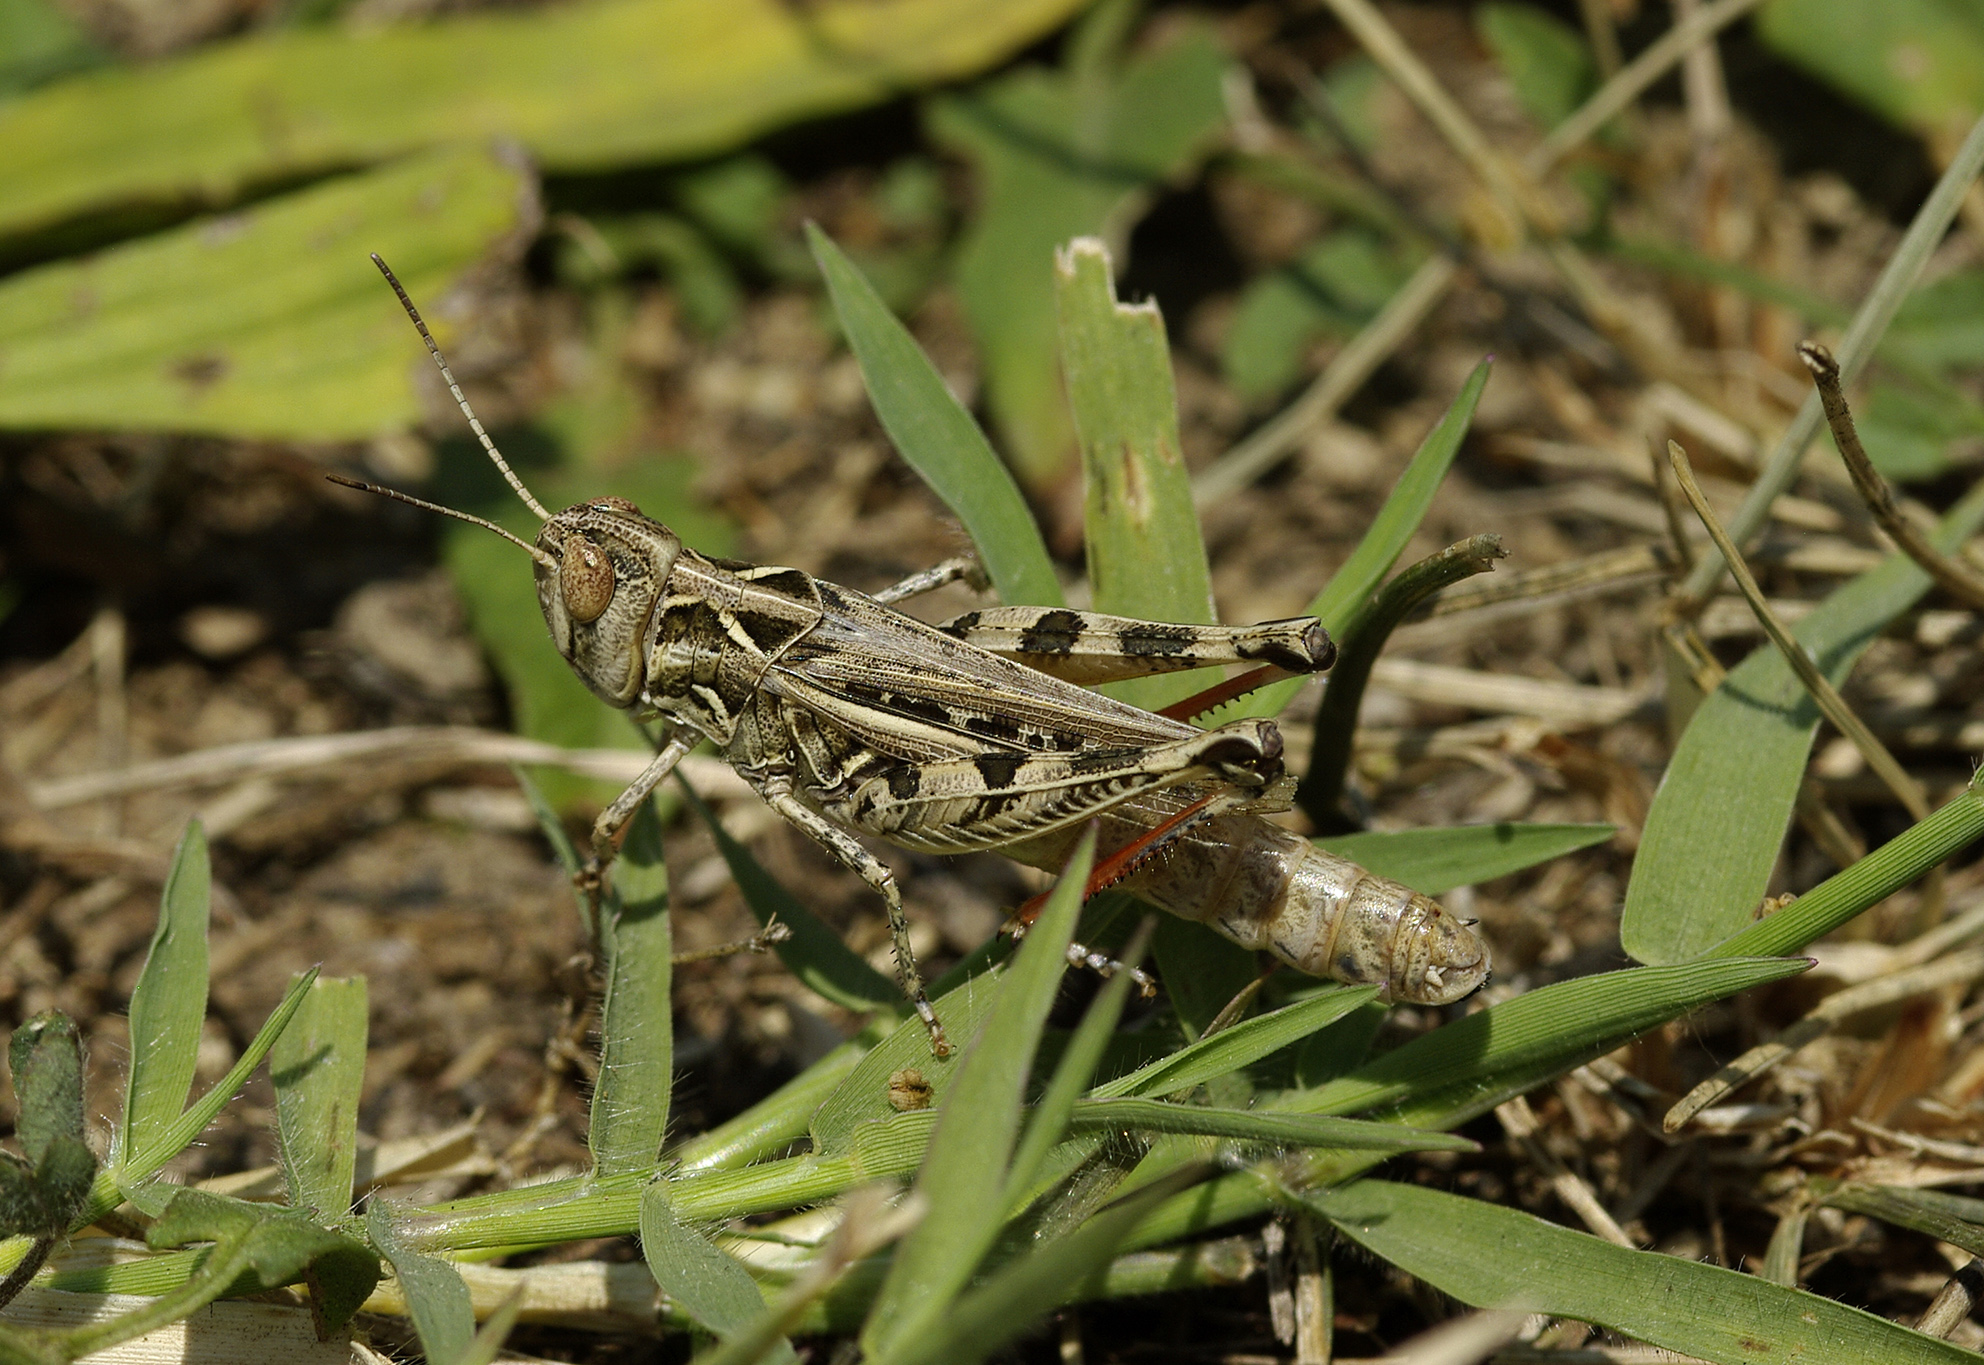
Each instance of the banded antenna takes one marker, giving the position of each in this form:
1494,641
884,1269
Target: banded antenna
495,455
544,557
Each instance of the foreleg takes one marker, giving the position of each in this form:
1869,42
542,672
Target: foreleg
1088,647
612,821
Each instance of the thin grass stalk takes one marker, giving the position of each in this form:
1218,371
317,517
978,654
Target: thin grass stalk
1336,723
1843,717
1869,325
1956,578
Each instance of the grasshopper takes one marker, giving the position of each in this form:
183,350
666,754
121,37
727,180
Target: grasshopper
850,718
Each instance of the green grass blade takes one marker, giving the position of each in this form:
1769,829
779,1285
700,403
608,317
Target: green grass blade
1873,879
1348,593
436,1297
964,1173
1048,1123
318,1066
938,438
776,1121
814,953
708,1284
1917,1210
637,1040
269,322
1022,1292
1493,1257
169,1003
1435,861
1233,1049
135,1167
582,88
863,1097
1473,1064
1146,554
1253,1125
1718,820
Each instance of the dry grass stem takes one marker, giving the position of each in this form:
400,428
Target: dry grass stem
1905,787
1953,576
1957,969
427,744
1571,705
1281,434
1519,1121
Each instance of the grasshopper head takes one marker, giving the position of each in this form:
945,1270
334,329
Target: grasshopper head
598,582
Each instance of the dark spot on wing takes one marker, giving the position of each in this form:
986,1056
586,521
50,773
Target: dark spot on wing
995,728
1100,760
998,770
1054,633
923,708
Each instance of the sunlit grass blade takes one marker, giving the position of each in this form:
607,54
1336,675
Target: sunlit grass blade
710,1286
1048,1122
964,1173
939,439
863,1096
1494,1257
1020,1293
1350,589
1718,820
1875,877
1465,1068
637,1039
436,1297
1233,1049
1146,555
134,1168
169,1003
813,953
1259,1125
775,1121
318,1066
1925,1211
1435,861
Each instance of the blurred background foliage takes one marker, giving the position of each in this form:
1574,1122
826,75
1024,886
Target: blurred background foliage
191,190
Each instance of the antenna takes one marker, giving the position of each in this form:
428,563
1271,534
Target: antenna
508,474
543,557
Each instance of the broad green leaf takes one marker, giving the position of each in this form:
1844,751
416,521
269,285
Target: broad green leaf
1493,1257
436,1296
775,1122
39,42
964,1173
637,1039
1233,1049
1912,432
169,1003
583,87
938,438
1435,861
1146,555
1544,58
863,1097
494,578
707,1283
814,953
267,1247
1917,63
318,1066
269,321
1719,816
1058,155
40,1197
1351,587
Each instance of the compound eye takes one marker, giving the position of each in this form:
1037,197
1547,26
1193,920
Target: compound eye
586,579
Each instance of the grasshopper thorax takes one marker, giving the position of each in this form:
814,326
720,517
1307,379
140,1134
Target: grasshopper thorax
601,578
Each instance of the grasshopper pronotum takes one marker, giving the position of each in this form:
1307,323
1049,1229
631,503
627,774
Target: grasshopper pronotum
851,718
